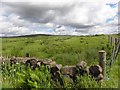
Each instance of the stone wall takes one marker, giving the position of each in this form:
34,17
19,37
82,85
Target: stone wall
56,70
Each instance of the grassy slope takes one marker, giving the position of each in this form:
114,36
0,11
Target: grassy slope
63,49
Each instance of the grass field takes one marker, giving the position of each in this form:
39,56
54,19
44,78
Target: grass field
65,50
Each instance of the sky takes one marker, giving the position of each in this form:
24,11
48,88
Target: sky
58,17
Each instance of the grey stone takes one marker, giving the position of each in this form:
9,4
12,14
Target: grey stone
68,70
81,65
95,70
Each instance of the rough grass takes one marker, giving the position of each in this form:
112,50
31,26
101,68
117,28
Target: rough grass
66,50
63,49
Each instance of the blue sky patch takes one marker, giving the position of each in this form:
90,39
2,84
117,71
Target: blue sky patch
112,5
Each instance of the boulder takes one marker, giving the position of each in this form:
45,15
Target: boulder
95,70
56,68
81,65
24,60
68,70
39,63
86,71
20,60
100,68
13,60
48,62
82,68
32,63
100,77
52,63
57,77
57,74
67,79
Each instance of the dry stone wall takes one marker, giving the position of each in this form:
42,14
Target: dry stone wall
57,70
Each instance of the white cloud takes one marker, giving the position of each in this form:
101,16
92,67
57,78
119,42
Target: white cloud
55,1
87,17
17,21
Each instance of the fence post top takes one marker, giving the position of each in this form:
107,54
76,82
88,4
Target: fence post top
101,51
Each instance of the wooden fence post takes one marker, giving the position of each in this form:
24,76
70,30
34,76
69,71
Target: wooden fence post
108,38
119,45
102,62
116,41
111,41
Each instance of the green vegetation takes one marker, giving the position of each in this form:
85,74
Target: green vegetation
18,76
65,50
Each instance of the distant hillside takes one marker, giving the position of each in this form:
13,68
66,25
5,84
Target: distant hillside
34,35
31,35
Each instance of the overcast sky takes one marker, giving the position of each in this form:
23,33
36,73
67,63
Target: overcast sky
64,17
